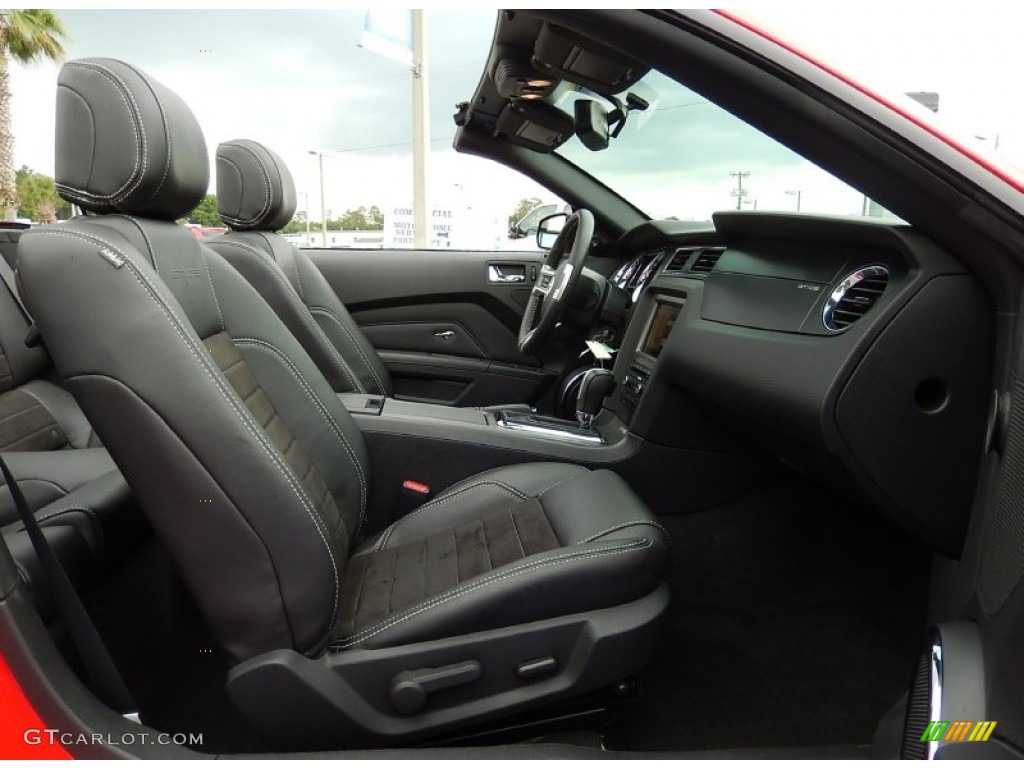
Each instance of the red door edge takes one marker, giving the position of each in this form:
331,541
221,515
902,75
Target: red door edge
22,731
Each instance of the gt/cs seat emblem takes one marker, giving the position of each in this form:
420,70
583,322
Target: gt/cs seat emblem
184,274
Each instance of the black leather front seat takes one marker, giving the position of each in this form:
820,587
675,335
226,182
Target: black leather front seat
522,585
256,197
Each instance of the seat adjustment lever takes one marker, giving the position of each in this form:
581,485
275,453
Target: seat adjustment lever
409,689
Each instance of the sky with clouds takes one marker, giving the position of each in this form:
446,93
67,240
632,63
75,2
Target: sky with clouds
298,80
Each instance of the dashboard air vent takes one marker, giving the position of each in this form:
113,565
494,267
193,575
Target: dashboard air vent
677,263
854,296
706,260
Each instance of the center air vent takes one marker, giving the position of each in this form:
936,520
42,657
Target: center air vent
678,261
854,296
706,260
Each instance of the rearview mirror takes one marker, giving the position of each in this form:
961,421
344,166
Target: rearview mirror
591,124
549,228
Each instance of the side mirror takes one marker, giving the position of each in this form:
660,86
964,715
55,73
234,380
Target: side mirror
591,124
549,228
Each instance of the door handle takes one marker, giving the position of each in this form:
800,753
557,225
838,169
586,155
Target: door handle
506,273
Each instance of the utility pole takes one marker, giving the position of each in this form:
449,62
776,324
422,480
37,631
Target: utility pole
739,192
420,129
323,199
308,243
798,194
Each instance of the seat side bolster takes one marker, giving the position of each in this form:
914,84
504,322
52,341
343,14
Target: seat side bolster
339,325
268,278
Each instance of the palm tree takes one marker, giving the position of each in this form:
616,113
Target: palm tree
25,36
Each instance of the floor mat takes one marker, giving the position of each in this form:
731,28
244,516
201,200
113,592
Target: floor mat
794,622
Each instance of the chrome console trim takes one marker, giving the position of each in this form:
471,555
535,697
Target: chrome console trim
525,422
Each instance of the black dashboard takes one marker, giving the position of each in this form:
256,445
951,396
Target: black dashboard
855,350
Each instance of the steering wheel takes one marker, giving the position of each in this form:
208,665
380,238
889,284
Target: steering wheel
555,283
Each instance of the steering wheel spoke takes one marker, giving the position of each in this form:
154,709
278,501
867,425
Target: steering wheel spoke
545,280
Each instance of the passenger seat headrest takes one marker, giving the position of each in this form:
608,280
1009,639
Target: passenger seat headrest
254,187
126,143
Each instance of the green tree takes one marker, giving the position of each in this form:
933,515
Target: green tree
38,196
524,206
359,219
205,213
297,224
375,218
26,36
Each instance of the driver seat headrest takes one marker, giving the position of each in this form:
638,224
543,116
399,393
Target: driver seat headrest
126,143
254,187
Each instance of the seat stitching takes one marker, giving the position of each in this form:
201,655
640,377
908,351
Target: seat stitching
205,363
45,428
487,545
266,184
362,589
614,528
298,274
562,481
137,128
95,520
279,275
206,267
355,343
448,497
441,500
465,480
167,131
58,486
145,236
213,289
515,528
274,254
338,432
35,405
461,591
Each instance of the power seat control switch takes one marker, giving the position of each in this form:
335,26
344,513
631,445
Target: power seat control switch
536,668
409,690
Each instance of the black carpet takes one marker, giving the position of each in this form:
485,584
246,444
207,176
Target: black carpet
794,622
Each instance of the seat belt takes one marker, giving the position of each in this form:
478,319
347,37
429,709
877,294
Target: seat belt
107,683
7,275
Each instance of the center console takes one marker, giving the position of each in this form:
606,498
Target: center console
638,360
650,436
546,426
542,437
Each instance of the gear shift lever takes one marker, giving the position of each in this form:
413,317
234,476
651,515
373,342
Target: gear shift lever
596,385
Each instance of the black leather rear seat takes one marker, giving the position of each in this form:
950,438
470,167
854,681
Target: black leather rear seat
68,478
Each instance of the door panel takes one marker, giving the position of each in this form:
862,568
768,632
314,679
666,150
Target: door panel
443,337
462,381
463,329
446,323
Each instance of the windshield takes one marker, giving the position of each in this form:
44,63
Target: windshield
684,157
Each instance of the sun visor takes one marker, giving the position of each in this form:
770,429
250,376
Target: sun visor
570,56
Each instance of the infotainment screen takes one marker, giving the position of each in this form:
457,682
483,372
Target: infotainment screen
661,323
